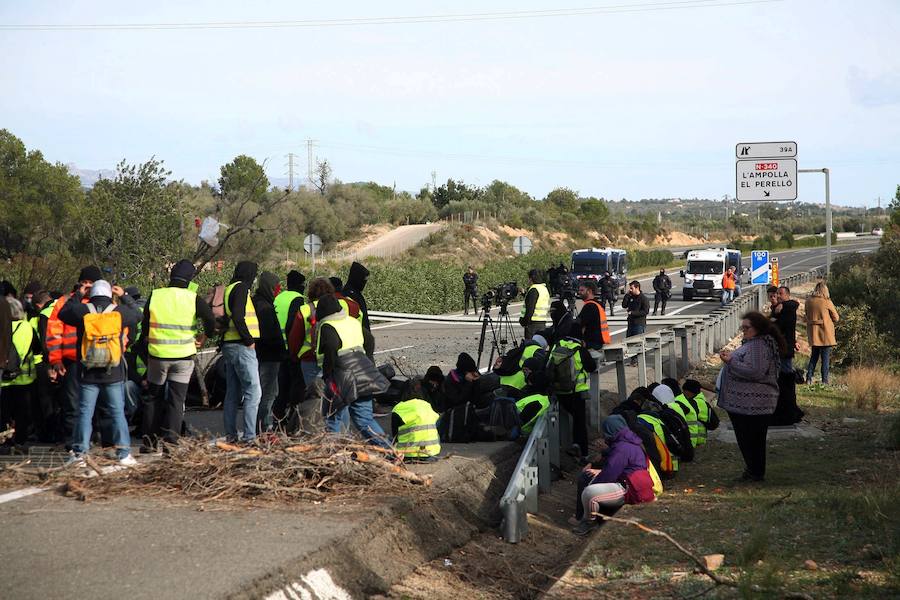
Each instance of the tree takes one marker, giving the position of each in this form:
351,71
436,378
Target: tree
245,177
455,191
564,199
133,224
894,207
594,211
322,176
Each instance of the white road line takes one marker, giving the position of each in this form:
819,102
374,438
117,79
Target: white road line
393,349
391,325
23,493
687,306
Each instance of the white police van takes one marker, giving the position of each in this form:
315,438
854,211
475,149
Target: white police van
703,272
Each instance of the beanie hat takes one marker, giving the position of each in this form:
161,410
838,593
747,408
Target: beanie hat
672,384
434,373
134,292
337,283
101,287
183,271
540,340
664,394
90,273
33,287
612,425
466,364
327,306
295,281
691,385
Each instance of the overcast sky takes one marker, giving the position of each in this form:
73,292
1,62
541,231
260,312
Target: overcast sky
624,104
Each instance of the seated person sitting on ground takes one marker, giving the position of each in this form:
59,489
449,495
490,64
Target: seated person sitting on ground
509,366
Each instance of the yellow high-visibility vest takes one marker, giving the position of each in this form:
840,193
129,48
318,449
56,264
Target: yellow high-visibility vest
517,379
348,329
172,314
542,306
282,305
521,404
231,334
418,436
683,407
306,312
22,338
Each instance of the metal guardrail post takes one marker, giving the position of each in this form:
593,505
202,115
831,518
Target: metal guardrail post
616,354
683,334
653,344
531,489
636,348
543,463
701,328
553,434
667,342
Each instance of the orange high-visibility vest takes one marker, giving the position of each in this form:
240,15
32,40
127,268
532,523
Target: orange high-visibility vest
604,326
62,339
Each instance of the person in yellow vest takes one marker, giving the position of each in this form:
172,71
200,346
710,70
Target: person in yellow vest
350,379
270,348
414,430
510,366
536,311
42,399
290,377
168,345
239,354
574,397
18,385
706,418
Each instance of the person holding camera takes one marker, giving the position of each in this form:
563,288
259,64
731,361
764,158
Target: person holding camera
470,281
662,291
536,310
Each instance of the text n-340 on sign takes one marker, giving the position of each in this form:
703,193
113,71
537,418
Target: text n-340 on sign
766,180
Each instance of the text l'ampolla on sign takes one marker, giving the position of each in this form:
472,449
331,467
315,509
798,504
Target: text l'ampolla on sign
766,179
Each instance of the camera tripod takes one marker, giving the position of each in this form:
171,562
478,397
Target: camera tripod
502,332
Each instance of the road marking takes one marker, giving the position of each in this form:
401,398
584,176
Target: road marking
391,325
393,349
676,311
23,493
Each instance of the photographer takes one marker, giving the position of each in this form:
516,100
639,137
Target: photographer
537,304
594,328
470,281
662,288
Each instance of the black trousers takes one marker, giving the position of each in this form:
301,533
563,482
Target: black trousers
15,409
163,413
576,405
473,294
751,431
612,304
660,297
291,388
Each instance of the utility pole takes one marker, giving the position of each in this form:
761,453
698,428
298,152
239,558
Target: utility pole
310,144
433,181
290,167
827,173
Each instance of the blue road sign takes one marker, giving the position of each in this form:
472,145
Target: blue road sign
759,267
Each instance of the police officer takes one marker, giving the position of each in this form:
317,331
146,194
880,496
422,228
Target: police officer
470,281
536,311
662,291
168,341
608,286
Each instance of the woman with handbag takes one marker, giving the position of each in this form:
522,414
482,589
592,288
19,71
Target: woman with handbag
350,378
623,477
748,389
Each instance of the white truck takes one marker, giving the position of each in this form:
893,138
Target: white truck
703,272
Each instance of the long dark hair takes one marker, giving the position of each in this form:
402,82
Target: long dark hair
764,326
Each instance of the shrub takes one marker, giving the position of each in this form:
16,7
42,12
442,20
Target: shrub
871,387
858,340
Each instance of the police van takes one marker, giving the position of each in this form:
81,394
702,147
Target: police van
703,272
592,263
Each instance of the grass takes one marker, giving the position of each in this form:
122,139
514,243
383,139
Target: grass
831,500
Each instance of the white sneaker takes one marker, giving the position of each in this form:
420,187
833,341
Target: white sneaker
74,461
128,461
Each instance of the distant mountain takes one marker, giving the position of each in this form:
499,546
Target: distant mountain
89,177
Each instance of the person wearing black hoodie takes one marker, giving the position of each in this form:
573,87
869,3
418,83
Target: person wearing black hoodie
169,350
290,378
270,350
239,353
353,289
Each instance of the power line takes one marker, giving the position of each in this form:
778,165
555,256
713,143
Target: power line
398,20
290,166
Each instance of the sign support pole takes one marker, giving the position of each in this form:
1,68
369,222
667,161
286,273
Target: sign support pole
828,224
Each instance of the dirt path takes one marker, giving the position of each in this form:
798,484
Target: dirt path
395,241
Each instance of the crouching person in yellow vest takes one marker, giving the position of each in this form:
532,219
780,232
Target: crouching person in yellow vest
693,402
510,366
18,382
530,409
414,429
239,353
169,345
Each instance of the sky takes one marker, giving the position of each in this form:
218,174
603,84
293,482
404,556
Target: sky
634,99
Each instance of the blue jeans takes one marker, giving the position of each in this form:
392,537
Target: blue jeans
727,296
242,381
114,396
268,380
635,330
825,353
361,413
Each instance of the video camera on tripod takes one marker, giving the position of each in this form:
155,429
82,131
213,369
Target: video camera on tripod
501,332
500,295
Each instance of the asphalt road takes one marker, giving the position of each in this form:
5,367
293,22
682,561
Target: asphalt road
416,346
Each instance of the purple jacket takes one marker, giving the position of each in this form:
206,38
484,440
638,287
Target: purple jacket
625,456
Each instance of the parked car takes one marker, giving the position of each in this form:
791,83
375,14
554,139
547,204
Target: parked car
878,231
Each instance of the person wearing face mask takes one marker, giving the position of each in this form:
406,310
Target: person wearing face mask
239,353
748,389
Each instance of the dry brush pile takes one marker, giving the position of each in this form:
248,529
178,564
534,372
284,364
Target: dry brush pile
313,468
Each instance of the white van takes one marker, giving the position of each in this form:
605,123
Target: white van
703,272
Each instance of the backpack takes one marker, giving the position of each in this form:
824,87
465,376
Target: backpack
561,372
504,420
13,361
459,424
101,344
216,300
680,444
